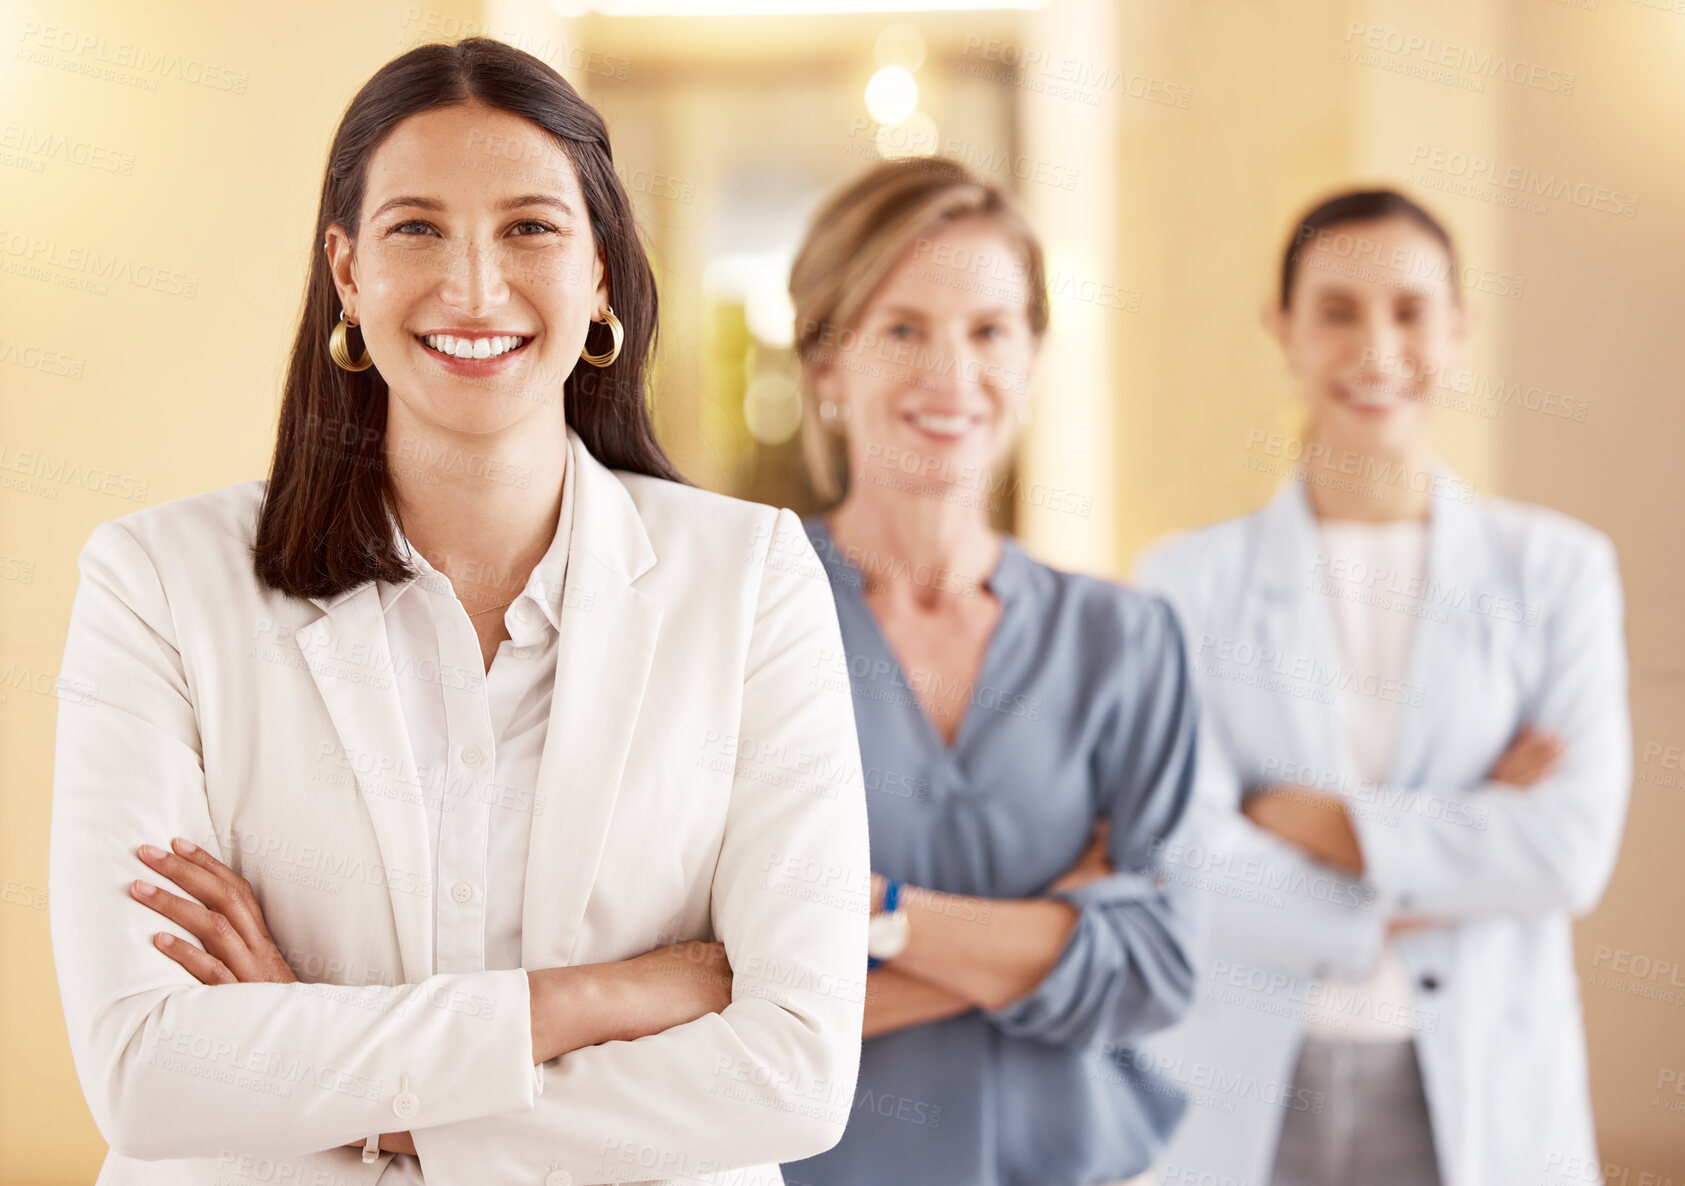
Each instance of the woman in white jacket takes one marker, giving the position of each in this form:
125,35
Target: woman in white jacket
1415,768
466,782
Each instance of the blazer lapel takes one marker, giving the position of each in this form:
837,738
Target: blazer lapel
608,633
348,656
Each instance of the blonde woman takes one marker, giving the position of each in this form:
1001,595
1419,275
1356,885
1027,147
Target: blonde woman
1027,733
407,808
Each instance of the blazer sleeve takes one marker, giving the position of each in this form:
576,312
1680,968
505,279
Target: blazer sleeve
1128,967
170,1067
1550,846
1267,904
771,1078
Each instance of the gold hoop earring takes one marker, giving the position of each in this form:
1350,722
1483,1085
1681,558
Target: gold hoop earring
339,345
614,327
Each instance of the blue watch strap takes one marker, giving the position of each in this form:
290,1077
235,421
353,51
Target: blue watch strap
891,899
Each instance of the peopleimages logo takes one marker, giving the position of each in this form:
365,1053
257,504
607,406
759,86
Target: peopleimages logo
1524,181
1477,65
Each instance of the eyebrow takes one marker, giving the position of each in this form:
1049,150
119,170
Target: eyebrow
912,311
515,203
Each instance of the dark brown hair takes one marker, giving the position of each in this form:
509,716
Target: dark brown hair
1367,205
323,528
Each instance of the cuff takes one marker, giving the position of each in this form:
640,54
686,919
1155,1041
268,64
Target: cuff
1369,934
1031,1008
1385,869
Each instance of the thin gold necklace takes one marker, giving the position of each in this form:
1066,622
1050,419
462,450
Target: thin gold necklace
488,609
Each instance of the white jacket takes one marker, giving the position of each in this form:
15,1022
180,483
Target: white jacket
1522,623
699,780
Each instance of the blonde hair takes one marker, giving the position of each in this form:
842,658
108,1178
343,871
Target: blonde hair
855,239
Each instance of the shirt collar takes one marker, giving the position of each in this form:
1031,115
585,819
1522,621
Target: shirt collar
539,601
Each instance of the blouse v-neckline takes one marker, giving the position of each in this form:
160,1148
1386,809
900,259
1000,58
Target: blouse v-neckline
998,583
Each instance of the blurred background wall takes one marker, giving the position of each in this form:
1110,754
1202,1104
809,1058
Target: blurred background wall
159,168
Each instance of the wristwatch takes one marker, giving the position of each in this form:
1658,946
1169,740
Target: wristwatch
888,931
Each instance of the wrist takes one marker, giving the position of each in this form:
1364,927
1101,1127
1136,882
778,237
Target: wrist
568,1011
888,931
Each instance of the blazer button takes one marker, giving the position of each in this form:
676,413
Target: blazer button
1429,982
558,1178
406,1104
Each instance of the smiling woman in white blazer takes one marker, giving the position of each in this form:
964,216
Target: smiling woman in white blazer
326,958
1414,771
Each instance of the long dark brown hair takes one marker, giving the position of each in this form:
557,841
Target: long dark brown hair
323,528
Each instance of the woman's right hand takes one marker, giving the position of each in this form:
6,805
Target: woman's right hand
1530,757
591,1004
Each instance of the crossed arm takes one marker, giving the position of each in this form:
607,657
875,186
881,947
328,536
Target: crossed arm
571,1007
968,953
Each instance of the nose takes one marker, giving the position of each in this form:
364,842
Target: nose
954,367
475,282
1383,343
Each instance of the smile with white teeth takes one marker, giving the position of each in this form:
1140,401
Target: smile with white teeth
1378,393
942,425
473,347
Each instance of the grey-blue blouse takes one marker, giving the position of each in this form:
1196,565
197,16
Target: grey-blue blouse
1082,709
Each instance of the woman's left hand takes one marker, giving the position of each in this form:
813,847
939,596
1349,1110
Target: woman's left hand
222,914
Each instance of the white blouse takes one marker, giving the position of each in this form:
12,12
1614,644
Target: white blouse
1373,585
477,735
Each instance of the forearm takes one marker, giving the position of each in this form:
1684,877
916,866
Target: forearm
573,1008
764,1081
156,1063
987,951
898,1000
576,1007
1316,823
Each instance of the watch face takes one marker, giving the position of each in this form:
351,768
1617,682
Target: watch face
886,935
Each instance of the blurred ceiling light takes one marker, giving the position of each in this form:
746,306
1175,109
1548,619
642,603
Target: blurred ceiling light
768,310
762,283
900,45
787,7
772,408
915,137
892,94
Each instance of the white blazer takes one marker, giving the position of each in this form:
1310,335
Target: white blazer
1523,624
701,779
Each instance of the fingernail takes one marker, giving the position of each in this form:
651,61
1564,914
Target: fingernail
166,940
145,888
151,852
185,846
